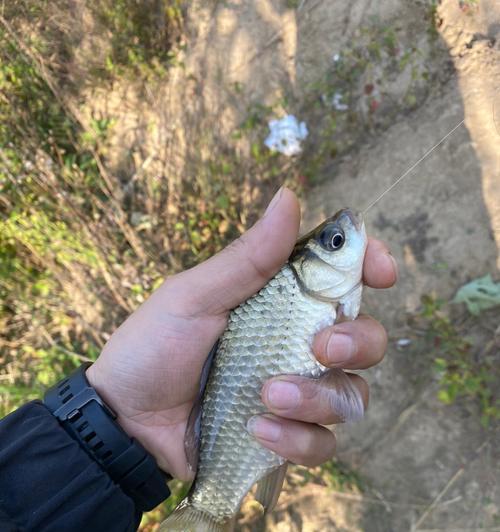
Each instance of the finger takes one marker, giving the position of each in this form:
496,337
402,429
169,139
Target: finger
357,344
311,400
241,269
380,269
301,443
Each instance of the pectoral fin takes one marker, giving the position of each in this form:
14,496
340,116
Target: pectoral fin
193,429
346,400
350,304
269,488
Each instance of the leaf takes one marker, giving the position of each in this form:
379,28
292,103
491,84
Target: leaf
441,364
479,295
223,202
444,397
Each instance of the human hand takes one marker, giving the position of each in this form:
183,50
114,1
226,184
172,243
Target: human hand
149,370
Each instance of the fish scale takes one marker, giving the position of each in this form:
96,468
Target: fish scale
280,334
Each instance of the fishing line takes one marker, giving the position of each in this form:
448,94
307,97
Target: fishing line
412,167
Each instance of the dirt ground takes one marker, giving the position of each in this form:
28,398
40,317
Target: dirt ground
429,467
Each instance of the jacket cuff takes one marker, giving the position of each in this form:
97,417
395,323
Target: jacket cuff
48,482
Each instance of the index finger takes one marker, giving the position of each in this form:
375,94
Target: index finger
380,269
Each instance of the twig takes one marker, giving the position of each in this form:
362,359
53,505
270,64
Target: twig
453,479
434,503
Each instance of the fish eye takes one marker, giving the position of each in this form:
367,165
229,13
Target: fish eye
331,238
337,240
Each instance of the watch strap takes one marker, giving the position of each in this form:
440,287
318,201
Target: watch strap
90,421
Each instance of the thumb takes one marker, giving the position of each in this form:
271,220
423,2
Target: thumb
242,268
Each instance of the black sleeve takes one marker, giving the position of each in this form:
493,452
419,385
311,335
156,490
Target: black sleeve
49,483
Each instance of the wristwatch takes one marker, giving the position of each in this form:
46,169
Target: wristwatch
90,421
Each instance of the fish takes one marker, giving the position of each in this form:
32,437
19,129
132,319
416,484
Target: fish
269,334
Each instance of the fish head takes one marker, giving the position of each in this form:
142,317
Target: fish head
328,261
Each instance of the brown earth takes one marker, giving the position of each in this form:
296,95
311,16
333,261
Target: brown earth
426,466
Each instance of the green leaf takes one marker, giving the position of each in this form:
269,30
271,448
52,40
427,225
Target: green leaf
444,397
223,202
479,295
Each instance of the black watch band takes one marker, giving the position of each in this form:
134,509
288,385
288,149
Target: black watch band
87,418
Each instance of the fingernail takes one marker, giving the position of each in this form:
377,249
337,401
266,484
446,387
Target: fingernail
339,349
264,428
274,201
283,394
394,265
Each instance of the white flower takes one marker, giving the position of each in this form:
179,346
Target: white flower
337,102
285,135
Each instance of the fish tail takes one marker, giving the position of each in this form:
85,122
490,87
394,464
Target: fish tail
187,518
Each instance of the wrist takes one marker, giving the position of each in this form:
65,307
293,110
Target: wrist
98,382
103,385
136,423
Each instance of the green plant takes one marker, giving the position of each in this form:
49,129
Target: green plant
350,101
142,34
435,20
463,373
80,246
62,229
333,473
151,519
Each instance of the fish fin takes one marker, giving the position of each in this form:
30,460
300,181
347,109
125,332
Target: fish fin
187,518
269,488
230,525
350,304
345,398
193,428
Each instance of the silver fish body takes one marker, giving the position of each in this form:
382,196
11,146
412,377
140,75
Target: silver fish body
268,335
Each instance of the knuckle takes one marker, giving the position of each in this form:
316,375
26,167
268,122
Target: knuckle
311,391
316,445
307,446
315,405
323,451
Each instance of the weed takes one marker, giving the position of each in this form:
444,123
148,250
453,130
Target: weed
142,35
151,519
463,373
435,21
360,94
334,474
